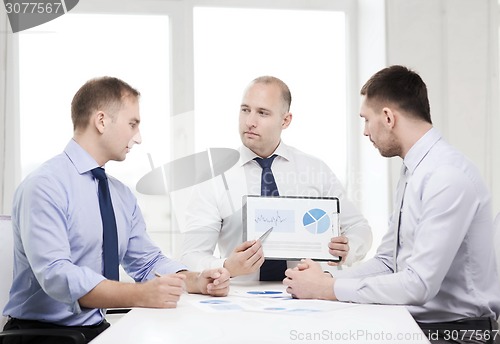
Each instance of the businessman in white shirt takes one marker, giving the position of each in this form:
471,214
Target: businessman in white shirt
437,257
214,213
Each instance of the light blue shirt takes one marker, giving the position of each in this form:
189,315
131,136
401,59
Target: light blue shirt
446,266
58,241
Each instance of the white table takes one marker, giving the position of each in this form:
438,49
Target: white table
331,322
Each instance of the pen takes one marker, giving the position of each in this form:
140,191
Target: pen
157,274
265,235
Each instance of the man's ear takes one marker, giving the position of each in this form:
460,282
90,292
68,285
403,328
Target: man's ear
287,119
98,120
389,117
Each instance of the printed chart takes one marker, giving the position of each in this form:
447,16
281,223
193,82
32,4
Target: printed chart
316,221
300,227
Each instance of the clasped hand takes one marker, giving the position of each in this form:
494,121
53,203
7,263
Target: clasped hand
308,281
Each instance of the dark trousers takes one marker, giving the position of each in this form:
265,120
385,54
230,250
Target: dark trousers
469,330
90,332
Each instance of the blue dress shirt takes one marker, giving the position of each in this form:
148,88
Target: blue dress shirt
58,241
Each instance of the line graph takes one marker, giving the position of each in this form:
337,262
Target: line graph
282,220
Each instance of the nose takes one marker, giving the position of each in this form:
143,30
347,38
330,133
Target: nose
137,138
251,120
365,131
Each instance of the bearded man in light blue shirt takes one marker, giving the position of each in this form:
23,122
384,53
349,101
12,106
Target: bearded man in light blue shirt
438,257
58,230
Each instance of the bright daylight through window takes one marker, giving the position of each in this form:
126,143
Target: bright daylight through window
306,49
59,56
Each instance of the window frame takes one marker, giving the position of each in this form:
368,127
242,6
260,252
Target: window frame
182,74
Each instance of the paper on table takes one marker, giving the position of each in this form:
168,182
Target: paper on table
284,305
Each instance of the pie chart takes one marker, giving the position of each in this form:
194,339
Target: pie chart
316,221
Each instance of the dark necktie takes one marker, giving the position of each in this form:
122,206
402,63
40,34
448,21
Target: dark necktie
109,234
271,270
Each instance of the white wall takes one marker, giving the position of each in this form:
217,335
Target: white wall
10,166
453,44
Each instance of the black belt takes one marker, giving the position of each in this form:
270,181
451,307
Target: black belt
89,331
479,323
41,324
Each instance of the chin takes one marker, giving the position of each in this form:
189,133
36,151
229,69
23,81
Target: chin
250,145
247,142
387,153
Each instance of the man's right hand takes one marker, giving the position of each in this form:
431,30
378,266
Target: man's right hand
164,291
246,258
159,292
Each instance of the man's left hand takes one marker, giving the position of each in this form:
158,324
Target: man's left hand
338,247
214,282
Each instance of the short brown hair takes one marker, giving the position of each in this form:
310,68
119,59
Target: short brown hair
401,86
103,93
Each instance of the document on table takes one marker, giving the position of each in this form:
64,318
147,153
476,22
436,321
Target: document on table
301,226
271,299
284,305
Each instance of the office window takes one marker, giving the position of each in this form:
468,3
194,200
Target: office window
306,49
58,57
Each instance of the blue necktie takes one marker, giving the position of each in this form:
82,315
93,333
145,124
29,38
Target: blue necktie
271,270
109,234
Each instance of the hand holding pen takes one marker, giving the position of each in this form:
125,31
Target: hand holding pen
162,292
247,257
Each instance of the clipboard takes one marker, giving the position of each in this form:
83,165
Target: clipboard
302,226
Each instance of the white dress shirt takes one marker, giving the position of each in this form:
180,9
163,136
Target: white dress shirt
214,212
446,266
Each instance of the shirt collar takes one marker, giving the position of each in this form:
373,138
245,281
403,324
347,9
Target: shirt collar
246,155
79,157
420,149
